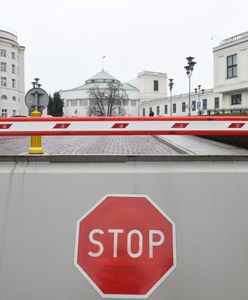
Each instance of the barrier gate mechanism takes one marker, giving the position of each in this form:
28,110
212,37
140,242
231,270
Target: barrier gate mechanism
202,125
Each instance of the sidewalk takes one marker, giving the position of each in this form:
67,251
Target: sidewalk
201,146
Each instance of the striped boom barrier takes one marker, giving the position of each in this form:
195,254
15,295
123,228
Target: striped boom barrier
124,126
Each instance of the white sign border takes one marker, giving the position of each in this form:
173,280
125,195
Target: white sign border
124,295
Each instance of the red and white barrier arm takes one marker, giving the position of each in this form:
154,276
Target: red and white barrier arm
124,126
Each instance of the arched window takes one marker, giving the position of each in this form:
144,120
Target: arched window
4,97
14,98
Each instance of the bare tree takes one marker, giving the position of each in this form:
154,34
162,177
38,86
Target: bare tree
107,101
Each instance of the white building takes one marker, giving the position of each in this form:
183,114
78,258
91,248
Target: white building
149,90
230,91
151,85
200,104
231,72
148,85
12,87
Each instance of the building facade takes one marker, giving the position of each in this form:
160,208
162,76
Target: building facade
229,94
201,104
77,101
148,92
231,72
12,87
147,85
151,85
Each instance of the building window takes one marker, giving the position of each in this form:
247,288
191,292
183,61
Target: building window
13,55
133,102
3,53
204,104
183,106
236,99
83,102
216,102
174,108
3,66
14,112
14,98
150,109
166,109
155,85
13,69
3,81
193,105
73,102
232,66
124,102
4,97
158,110
144,112
4,112
13,83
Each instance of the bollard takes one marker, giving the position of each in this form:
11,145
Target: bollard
35,140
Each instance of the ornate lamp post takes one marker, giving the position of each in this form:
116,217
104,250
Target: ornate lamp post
199,91
189,70
36,83
171,83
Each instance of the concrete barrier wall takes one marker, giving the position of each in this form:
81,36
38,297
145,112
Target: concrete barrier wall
42,201
240,141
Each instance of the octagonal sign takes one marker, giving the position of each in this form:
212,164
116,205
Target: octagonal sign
125,246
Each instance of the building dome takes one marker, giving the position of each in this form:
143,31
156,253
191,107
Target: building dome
77,100
7,35
102,76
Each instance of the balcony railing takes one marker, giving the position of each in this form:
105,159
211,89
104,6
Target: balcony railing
235,38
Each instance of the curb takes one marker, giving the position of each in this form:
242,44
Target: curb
174,146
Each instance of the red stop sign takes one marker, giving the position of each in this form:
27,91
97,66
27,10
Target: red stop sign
125,246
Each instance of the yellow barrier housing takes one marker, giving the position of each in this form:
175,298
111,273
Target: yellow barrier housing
35,147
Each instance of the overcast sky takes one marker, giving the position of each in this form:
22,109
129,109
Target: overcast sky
66,40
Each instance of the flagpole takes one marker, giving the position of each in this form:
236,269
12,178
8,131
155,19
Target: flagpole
103,58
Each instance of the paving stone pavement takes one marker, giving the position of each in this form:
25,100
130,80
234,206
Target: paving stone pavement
88,145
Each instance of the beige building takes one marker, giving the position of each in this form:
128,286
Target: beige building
12,87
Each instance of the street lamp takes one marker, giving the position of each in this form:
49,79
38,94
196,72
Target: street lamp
189,70
36,83
199,91
171,83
